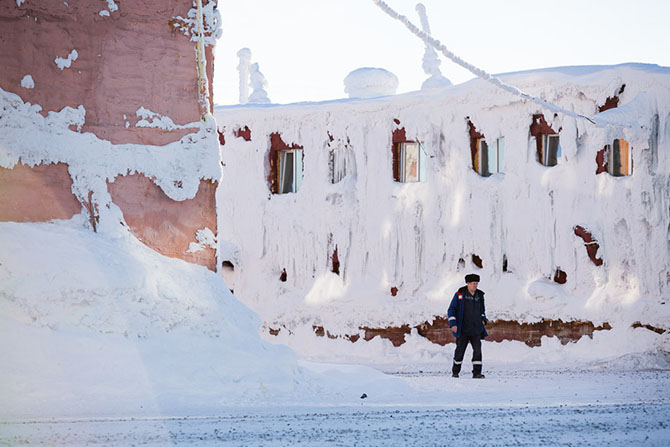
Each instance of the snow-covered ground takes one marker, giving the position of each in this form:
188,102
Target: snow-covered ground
579,408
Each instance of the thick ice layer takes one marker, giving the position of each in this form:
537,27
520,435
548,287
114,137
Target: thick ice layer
412,236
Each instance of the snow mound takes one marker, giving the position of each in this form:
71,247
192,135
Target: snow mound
368,82
99,325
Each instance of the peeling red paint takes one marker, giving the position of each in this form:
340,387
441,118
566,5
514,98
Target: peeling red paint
476,260
222,139
560,276
590,243
612,102
336,262
243,133
474,136
658,330
165,225
37,193
394,291
395,334
283,275
399,136
439,332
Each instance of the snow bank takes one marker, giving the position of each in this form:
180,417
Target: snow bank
414,236
368,82
119,330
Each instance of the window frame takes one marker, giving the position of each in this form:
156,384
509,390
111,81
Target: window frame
421,163
296,170
612,151
545,146
483,164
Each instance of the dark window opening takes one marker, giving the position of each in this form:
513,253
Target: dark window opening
486,159
227,265
286,166
549,152
619,158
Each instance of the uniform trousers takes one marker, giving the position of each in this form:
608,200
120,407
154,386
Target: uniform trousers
461,345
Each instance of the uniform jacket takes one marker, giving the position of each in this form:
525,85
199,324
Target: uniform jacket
455,312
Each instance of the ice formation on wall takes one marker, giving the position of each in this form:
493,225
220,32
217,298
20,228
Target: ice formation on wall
62,63
27,82
153,119
368,82
403,248
431,63
176,167
258,84
243,68
211,23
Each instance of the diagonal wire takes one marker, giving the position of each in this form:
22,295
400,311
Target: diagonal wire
476,71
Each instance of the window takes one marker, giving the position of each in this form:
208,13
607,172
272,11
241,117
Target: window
619,158
488,160
411,163
550,149
342,163
290,170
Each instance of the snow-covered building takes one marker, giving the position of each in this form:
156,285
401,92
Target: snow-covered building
358,218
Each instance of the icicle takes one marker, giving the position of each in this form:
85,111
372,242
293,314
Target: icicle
431,63
243,67
258,84
428,40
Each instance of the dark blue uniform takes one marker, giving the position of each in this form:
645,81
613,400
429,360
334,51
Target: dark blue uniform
468,313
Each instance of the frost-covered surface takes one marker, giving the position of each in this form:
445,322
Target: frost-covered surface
153,119
211,23
368,82
204,238
243,69
66,62
175,167
27,82
258,85
411,236
431,63
119,330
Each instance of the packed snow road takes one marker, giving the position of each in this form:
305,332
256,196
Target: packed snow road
580,425
509,407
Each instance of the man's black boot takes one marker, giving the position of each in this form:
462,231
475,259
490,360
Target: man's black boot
478,376
454,374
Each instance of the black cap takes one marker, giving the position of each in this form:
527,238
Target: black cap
472,278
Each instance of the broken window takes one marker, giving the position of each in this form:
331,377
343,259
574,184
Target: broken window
411,163
619,159
290,170
488,159
550,149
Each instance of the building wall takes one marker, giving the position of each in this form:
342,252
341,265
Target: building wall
134,55
403,249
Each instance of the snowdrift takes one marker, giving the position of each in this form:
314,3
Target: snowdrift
95,325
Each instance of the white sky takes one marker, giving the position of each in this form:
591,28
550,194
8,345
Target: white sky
305,48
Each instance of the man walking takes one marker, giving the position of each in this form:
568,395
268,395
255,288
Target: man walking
467,317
